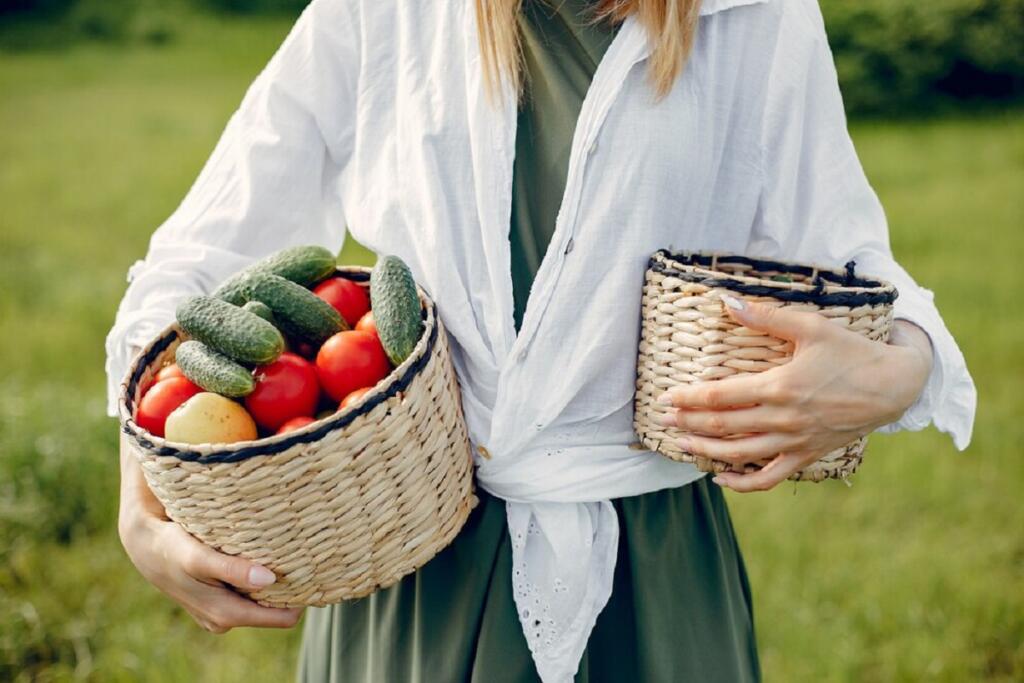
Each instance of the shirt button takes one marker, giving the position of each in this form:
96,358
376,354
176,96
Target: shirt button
569,245
593,147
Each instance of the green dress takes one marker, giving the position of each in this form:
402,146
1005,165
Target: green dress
680,608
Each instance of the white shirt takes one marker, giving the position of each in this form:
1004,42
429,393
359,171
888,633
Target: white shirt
373,115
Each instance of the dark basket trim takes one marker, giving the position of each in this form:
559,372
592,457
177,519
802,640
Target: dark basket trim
400,384
355,275
883,293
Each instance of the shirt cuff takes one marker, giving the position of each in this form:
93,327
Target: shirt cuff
948,398
134,329
156,286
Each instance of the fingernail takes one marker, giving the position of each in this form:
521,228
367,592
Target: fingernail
665,399
719,481
684,443
667,419
261,576
733,302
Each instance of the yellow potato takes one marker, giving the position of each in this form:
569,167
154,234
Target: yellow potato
209,418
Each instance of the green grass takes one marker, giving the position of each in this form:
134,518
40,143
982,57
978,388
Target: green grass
914,572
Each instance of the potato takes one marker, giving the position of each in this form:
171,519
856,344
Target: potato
209,418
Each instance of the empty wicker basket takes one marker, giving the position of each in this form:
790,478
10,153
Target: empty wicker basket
687,336
339,509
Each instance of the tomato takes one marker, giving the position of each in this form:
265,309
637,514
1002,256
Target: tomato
169,371
304,349
165,372
161,400
348,298
353,397
285,389
350,360
368,324
295,423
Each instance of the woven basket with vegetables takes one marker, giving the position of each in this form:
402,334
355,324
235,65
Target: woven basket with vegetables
688,337
283,420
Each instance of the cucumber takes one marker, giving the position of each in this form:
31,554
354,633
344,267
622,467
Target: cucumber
305,265
262,310
300,312
396,307
236,333
213,371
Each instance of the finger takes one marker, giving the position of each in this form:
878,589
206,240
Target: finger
205,564
226,610
776,321
769,476
760,419
731,392
200,618
219,609
739,451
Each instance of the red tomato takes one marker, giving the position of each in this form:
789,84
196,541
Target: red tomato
165,372
348,298
305,349
353,397
368,324
350,360
169,371
295,423
161,400
285,389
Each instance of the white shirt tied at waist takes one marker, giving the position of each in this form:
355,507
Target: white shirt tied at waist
565,534
372,115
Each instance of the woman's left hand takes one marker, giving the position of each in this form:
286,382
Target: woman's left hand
839,386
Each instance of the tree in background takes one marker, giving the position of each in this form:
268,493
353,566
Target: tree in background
895,57
38,7
907,56
253,6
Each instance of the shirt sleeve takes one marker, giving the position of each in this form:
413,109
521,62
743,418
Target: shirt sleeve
273,180
817,206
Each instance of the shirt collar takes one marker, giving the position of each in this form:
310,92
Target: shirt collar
715,6
636,38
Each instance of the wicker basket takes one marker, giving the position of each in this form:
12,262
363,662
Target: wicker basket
339,509
687,336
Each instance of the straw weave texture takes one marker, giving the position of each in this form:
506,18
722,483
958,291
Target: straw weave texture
687,336
341,508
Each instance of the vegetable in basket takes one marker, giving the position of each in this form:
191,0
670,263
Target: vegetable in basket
210,418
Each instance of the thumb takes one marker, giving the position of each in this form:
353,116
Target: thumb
206,564
776,321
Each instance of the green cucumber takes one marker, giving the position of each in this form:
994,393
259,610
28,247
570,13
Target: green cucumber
262,310
236,333
213,371
300,312
396,307
305,265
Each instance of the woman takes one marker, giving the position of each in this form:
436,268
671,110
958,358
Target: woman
526,196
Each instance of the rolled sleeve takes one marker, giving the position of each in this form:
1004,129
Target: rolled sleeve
273,180
818,206
949,398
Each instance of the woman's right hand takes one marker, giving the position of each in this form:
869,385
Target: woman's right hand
194,575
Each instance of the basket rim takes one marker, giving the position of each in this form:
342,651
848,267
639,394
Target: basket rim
398,380
832,286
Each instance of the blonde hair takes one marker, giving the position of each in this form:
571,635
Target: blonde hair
670,25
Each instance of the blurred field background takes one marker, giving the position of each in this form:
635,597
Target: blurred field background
107,112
